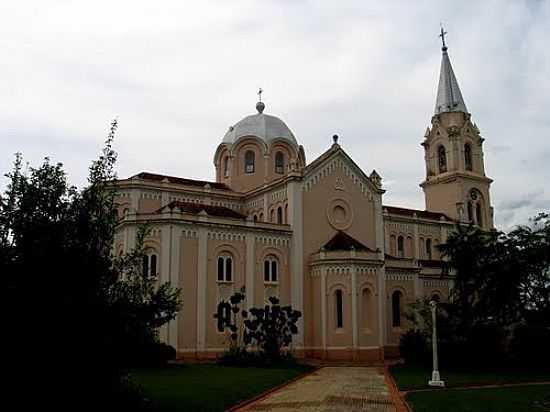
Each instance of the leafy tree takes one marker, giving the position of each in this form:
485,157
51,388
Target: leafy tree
73,307
501,295
532,246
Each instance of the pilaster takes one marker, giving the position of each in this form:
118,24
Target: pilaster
250,269
202,265
295,212
355,336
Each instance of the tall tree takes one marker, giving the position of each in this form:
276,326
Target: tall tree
69,305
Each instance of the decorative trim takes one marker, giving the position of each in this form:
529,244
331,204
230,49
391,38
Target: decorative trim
435,283
397,276
330,168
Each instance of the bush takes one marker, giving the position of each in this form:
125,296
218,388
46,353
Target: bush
151,355
529,346
414,347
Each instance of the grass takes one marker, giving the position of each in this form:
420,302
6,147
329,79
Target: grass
511,399
409,377
208,387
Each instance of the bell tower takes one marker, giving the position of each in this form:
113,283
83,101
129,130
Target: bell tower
455,182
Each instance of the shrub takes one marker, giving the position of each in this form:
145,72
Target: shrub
150,355
414,347
529,346
270,329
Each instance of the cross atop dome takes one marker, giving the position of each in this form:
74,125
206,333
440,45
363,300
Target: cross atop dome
260,106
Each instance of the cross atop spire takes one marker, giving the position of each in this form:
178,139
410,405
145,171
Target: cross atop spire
442,35
260,91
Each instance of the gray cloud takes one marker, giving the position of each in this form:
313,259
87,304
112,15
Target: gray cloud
178,75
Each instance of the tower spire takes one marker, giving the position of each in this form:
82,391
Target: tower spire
449,97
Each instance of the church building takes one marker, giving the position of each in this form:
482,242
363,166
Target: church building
315,234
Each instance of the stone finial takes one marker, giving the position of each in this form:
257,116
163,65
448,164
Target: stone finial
335,138
376,179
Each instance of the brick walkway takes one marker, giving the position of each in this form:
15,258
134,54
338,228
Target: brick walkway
334,389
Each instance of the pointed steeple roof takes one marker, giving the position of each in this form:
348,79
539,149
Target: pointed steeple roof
449,98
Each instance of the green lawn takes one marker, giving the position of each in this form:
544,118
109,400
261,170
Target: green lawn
534,398
410,377
208,387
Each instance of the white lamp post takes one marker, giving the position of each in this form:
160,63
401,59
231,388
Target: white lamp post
436,379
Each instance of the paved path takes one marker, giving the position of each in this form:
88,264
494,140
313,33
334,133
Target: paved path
331,389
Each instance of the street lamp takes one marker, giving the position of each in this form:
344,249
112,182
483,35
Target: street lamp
436,379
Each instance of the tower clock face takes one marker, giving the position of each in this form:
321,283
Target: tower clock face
473,194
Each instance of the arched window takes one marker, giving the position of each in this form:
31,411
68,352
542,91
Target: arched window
435,297
442,159
153,265
429,249
149,265
255,218
400,247
279,215
421,247
367,315
470,212
225,268
396,308
249,159
226,166
339,309
279,163
271,273
410,247
286,214
261,217
272,218
479,215
468,156
145,265
392,245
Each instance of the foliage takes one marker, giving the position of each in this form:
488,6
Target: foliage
501,278
501,283
70,300
414,347
269,328
529,345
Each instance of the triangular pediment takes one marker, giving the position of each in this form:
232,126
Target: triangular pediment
337,159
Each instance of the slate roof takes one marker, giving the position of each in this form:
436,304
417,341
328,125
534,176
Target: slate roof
179,180
449,97
424,214
343,241
196,208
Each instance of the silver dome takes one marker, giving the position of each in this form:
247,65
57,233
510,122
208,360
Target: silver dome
263,126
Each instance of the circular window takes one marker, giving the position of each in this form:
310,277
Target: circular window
339,214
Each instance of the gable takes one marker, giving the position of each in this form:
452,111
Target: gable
336,159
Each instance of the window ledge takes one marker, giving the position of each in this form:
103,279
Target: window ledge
339,330
225,282
271,283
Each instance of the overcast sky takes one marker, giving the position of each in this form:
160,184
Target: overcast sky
179,73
